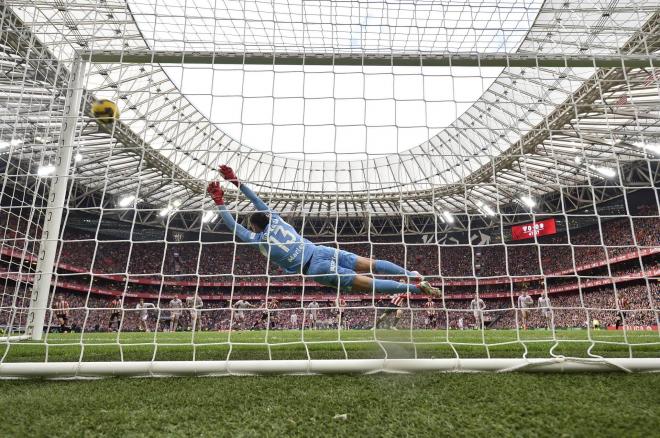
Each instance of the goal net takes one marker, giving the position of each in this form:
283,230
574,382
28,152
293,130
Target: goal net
481,178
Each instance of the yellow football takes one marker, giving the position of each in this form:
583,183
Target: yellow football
105,111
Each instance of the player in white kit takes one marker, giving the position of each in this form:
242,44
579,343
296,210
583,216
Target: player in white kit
176,308
546,310
241,306
341,313
143,314
525,302
195,303
294,320
313,314
461,325
478,306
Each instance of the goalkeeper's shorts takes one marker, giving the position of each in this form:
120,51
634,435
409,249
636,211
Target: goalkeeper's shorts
332,267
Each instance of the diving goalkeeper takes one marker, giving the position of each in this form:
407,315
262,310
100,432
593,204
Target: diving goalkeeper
280,242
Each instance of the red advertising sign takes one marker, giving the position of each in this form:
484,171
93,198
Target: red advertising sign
532,229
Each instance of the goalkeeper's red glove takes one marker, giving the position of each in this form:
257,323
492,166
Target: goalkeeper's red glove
229,175
216,193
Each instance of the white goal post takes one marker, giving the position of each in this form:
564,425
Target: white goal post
541,186
327,366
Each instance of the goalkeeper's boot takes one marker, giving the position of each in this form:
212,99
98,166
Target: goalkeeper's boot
426,287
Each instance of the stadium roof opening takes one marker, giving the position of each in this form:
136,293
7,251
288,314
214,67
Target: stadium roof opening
326,113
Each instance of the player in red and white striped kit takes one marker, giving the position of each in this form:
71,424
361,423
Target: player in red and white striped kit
397,303
115,314
268,317
61,307
431,312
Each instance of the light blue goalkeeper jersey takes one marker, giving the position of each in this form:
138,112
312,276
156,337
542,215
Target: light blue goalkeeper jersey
280,242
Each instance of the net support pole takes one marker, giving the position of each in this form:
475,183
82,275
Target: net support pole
55,206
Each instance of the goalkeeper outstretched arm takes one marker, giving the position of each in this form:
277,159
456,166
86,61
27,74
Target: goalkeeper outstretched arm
239,230
262,215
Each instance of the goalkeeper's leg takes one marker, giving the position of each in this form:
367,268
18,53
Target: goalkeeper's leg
361,265
364,265
336,268
362,283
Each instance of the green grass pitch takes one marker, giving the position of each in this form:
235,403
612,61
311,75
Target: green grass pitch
438,404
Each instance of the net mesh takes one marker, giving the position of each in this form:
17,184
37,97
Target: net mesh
525,191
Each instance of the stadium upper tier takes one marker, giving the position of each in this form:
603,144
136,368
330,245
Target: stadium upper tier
535,129
221,263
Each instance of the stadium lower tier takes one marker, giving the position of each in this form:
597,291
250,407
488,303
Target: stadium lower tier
635,304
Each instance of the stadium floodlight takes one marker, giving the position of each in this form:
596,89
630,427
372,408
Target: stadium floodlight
653,148
528,201
78,157
209,216
166,211
42,140
45,170
607,172
171,207
126,201
6,144
449,218
485,208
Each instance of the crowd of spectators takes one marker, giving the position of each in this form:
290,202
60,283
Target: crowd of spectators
242,262
189,260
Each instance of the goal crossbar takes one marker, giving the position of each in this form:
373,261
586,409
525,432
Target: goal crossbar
350,366
370,59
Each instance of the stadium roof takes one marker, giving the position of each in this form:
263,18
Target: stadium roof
535,128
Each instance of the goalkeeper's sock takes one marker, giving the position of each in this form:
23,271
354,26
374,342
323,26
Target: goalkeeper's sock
394,286
385,267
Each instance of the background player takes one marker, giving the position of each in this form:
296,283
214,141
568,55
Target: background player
239,316
267,318
431,312
273,305
282,244
620,317
294,320
546,311
115,314
143,313
195,304
176,309
478,306
341,316
397,303
313,314
525,302
62,313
